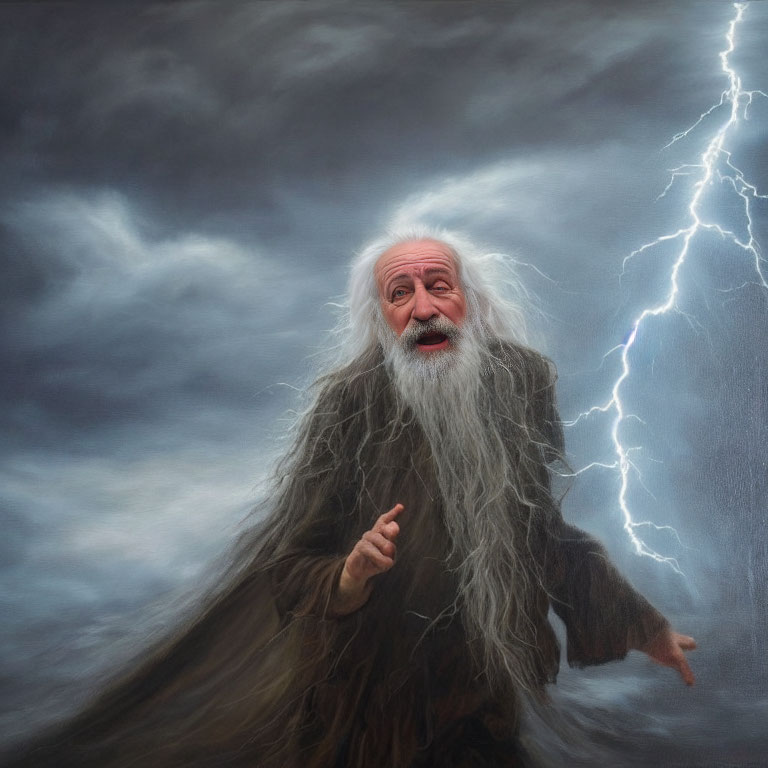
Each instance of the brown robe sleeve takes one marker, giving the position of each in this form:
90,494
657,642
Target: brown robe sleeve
305,576
603,614
305,585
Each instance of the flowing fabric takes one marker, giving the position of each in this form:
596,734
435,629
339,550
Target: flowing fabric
268,675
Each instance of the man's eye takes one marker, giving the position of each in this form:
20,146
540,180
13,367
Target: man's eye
399,293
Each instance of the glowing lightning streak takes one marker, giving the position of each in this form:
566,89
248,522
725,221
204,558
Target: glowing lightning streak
715,164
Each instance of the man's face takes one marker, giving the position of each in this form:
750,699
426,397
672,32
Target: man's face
418,282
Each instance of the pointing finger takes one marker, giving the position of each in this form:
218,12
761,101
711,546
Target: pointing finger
392,514
685,670
386,523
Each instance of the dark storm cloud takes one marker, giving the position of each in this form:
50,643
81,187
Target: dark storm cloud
261,96
181,187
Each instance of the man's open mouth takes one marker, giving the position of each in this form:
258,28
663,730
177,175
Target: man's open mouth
431,339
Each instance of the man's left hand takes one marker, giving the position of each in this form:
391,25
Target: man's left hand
667,648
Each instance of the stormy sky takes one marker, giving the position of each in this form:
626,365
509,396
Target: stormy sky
181,188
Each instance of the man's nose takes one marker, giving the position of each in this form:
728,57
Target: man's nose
423,305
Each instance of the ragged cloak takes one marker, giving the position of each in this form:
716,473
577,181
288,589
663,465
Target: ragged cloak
267,674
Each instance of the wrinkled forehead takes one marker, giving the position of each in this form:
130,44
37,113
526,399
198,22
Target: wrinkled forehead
415,258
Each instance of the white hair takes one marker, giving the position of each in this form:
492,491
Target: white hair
496,299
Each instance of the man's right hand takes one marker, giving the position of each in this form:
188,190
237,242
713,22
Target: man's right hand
374,553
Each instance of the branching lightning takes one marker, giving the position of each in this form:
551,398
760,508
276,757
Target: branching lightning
714,166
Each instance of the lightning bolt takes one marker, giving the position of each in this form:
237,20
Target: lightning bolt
715,166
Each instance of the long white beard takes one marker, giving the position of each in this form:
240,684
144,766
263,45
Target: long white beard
426,380
463,399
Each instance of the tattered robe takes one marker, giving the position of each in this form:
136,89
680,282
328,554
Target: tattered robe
269,676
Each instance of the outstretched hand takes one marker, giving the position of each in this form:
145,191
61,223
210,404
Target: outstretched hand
374,553
667,648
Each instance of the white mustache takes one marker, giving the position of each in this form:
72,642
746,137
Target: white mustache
416,329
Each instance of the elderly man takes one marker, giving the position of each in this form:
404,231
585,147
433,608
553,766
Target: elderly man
391,610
